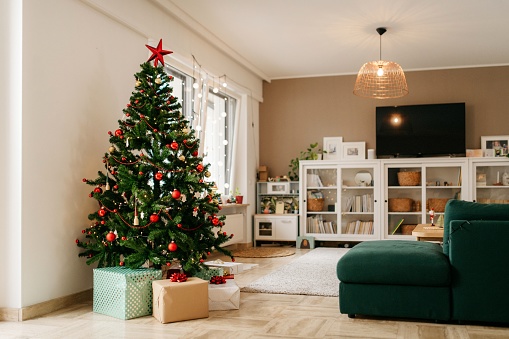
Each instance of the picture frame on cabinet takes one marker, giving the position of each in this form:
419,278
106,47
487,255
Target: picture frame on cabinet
332,148
306,242
495,146
353,151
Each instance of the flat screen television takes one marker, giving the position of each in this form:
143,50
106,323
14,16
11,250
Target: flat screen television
420,130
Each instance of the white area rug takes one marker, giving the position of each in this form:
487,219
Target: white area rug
312,274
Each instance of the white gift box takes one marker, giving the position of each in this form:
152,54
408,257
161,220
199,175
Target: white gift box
224,296
228,267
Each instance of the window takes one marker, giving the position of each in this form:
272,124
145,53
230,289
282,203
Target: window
218,141
214,126
182,89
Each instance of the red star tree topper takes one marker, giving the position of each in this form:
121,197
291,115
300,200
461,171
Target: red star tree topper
158,53
155,204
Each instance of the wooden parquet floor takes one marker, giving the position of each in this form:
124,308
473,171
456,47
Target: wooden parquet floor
259,316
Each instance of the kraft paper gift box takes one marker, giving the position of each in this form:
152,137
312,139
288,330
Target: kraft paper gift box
124,293
224,297
178,301
228,267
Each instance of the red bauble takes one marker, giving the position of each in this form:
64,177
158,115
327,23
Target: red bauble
77,241
140,173
172,246
101,212
215,221
111,236
115,187
121,263
233,259
98,190
154,218
124,238
158,176
174,146
84,179
118,132
175,194
195,153
179,225
142,116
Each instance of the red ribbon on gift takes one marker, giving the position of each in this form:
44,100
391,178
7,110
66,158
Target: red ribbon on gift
217,280
178,277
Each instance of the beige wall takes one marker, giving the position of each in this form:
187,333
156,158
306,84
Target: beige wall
297,112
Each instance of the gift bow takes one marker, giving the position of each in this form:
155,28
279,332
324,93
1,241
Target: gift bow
178,277
218,280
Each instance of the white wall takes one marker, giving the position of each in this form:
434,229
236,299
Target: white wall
10,143
78,62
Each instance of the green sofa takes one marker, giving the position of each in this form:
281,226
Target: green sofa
466,280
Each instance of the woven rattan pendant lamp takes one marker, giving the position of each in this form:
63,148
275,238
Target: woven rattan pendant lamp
381,79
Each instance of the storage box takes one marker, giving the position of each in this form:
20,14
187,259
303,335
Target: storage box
224,296
278,187
263,173
174,301
124,293
228,267
400,205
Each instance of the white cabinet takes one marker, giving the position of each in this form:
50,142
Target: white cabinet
412,187
490,180
339,200
275,227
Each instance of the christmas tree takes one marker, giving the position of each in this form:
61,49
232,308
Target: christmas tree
155,203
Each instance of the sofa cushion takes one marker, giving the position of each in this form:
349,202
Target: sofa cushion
465,210
395,262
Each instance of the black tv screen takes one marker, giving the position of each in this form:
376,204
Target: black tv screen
420,130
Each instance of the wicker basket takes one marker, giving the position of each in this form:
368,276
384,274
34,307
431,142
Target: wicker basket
409,178
400,204
315,204
437,204
407,229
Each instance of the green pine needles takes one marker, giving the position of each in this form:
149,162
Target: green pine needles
154,202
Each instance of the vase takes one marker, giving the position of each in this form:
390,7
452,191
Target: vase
238,199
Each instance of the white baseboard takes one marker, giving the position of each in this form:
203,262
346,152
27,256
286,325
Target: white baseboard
40,309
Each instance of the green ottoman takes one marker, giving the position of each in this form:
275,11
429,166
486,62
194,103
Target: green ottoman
395,278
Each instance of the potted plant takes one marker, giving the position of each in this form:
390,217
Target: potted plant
238,196
311,153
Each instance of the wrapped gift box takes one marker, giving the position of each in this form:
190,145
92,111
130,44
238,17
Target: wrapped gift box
124,293
224,296
228,267
208,272
177,301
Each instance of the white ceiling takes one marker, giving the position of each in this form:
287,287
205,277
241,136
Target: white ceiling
302,38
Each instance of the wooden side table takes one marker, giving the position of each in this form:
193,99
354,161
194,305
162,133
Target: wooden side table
426,232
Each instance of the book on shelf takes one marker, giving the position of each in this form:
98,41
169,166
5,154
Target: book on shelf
397,226
359,203
358,227
316,224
